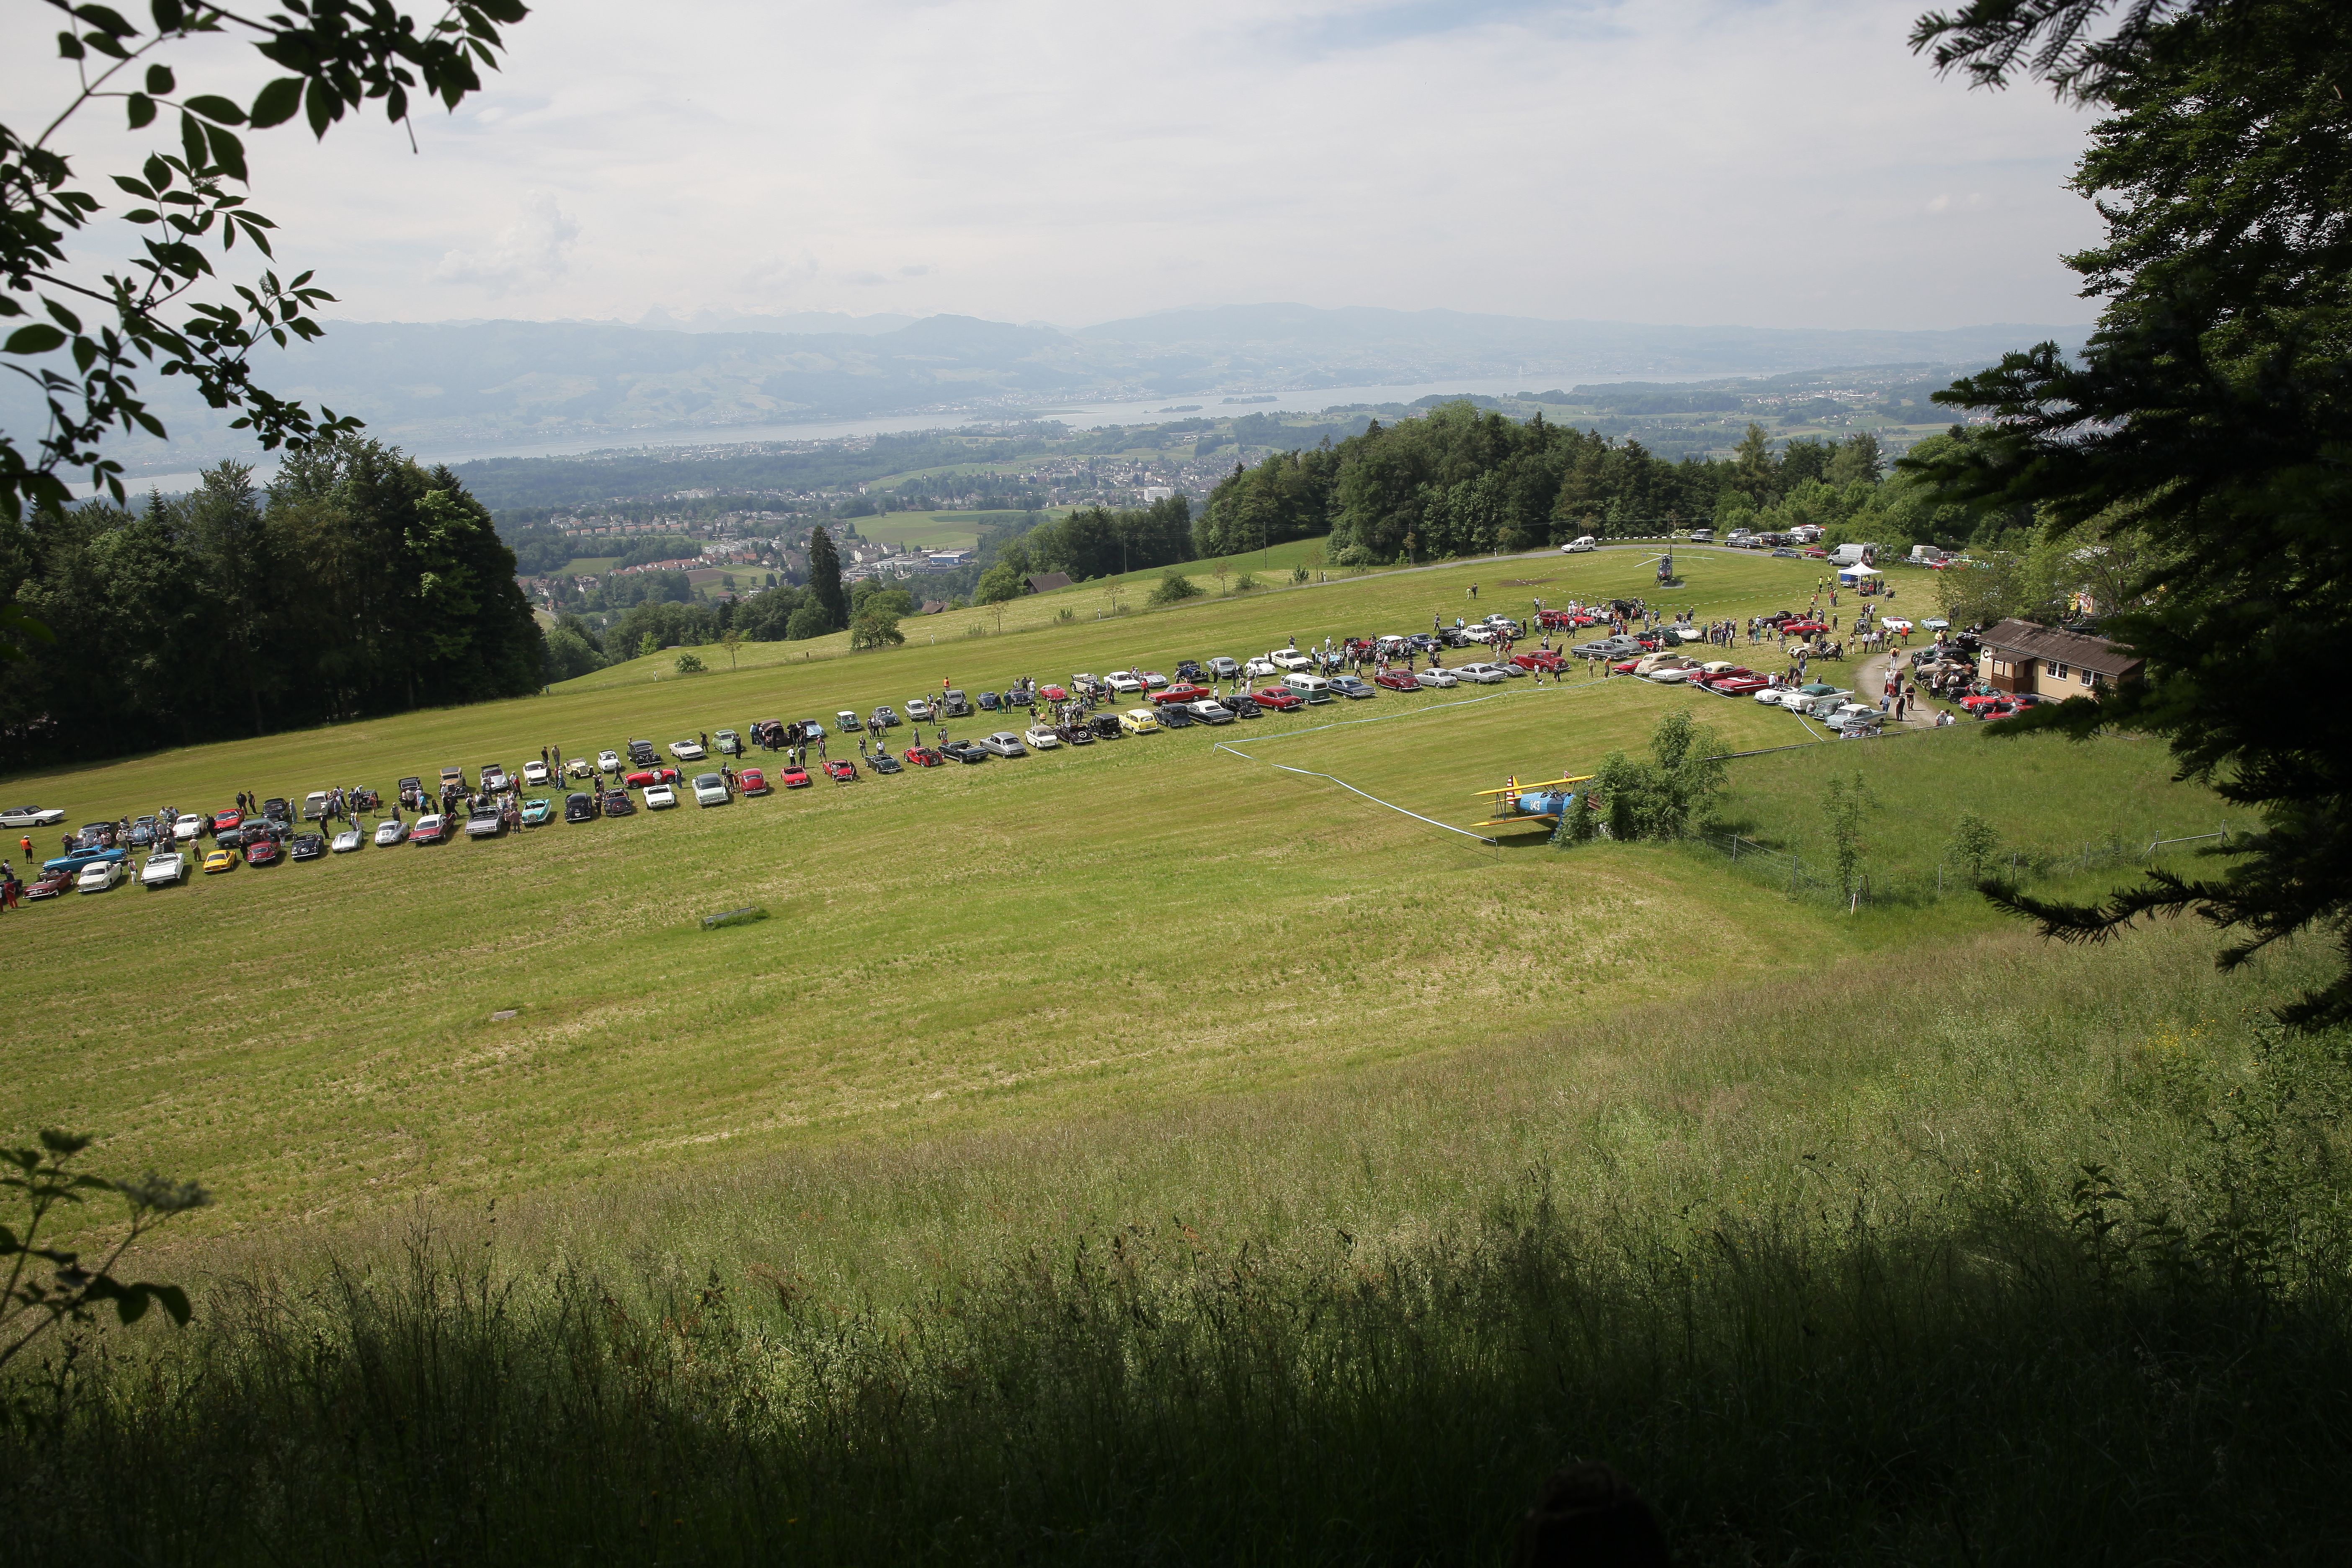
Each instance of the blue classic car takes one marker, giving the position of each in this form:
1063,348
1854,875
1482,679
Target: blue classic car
80,857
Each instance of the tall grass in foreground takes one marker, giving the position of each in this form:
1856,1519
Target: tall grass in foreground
2031,1256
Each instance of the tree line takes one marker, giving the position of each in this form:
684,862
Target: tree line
358,582
1464,481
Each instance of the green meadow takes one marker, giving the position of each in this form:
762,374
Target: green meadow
1139,921
1179,1150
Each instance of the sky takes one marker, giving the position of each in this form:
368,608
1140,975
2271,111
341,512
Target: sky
1760,163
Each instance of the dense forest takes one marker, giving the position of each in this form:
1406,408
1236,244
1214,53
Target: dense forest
1463,481
357,583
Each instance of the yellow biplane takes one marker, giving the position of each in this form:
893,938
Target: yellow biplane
1517,804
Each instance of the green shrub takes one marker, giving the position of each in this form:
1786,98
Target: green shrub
1174,589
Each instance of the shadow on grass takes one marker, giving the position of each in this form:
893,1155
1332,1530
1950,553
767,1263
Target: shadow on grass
1797,1386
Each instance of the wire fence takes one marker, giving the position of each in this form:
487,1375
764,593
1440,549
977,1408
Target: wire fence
1817,877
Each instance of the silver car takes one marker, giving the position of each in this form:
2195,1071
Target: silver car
391,832
1003,743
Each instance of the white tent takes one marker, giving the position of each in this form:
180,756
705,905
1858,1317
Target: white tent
1856,573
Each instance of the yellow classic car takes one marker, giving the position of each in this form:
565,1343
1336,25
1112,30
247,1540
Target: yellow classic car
220,860
1138,721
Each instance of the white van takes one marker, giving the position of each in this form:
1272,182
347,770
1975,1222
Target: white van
1307,688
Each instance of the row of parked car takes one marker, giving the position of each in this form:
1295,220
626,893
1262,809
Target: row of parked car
636,776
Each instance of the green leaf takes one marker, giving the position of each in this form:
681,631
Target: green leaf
37,339
322,107
61,316
108,22
214,107
140,110
69,47
192,141
130,1305
229,153
158,172
136,187
168,14
175,1302
275,104
160,81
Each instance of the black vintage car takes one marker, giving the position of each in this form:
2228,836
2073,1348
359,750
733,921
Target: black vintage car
641,755
307,846
1175,716
963,752
579,808
1074,735
1105,726
618,803
1243,706
884,763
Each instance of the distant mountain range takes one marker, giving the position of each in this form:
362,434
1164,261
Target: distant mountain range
453,389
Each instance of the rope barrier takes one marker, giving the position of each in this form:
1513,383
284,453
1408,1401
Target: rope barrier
1351,789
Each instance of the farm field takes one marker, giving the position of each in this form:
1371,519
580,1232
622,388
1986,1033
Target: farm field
1139,922
934,529
1721,582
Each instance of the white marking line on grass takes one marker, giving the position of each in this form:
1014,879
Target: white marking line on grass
1409,714
1351,789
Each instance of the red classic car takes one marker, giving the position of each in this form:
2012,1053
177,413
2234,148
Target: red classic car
841,769
794,778
643,777
1738,685
261,852
1182,691
49,884
1052,694
921,757
1542,659
1397,680
225,820
1803,628
752,781
1276,698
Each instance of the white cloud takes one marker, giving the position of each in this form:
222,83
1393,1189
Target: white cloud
1765,162
528,253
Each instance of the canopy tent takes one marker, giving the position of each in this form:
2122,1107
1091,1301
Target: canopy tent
1855,573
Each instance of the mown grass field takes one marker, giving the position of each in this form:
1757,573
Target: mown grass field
934,529
1152,1153
1722,582
1138,923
